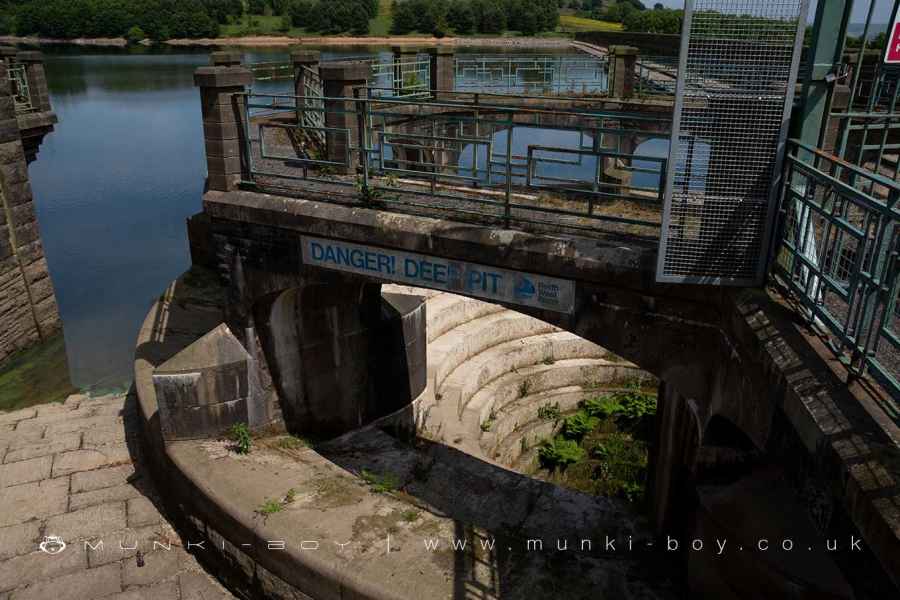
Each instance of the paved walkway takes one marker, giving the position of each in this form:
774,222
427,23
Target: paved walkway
67,470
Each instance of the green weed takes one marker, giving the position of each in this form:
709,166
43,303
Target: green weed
240,435
381,483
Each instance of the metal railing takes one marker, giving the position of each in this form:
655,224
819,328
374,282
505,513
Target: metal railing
406,77
579,74
311,113
839,260
574,74
464,156
656,75
21,93
267,71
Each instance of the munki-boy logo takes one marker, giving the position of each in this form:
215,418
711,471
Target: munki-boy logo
52,544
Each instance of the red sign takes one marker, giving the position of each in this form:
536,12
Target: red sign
892,54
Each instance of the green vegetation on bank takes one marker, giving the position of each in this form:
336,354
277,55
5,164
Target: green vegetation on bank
602,448
164,19
36,376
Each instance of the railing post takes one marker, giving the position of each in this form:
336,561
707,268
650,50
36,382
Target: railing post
622,63
37,79
443,70
402,56
338,82
304,61
224,58
225,127
305,64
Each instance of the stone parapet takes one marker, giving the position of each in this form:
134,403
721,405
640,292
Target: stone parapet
222,106
339,80
622,76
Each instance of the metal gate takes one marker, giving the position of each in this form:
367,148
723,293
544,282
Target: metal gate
737,71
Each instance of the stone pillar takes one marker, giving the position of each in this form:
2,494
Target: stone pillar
8,56
305,63
306,81
622,63
338,81
28,310
672,459
225,59
443,69
223,123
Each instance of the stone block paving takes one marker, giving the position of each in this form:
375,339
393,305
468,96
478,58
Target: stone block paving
73,471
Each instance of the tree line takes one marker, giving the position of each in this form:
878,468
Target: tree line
164,19
438,17
137,19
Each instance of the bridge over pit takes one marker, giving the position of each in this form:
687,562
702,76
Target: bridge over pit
314,198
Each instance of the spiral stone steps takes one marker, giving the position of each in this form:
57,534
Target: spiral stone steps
448,311
491,366
589,372
519,414
477,372
460,344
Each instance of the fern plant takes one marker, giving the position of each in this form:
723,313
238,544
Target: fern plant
559,453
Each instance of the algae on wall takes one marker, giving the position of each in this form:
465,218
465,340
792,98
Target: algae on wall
37,375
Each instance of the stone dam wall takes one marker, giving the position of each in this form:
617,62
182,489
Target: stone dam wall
28,309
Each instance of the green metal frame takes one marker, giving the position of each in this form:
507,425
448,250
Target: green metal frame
499,181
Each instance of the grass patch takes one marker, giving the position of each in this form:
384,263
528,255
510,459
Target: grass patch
381,24
240,435
270,507
573,23
549,411
293,442
38,375
381,483
409,515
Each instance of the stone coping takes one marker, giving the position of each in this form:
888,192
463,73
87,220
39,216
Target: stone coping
847,437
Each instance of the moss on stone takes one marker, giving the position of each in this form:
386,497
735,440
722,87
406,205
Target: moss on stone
38,375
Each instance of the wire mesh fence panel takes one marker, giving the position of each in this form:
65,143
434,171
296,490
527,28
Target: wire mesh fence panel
737,69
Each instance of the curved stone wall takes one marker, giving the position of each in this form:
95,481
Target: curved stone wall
491,369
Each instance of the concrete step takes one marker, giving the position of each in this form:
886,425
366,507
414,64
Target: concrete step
587,372
478,371
448,311
521,413
394,288
524,444
461,343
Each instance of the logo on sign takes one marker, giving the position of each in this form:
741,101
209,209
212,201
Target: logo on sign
524,289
